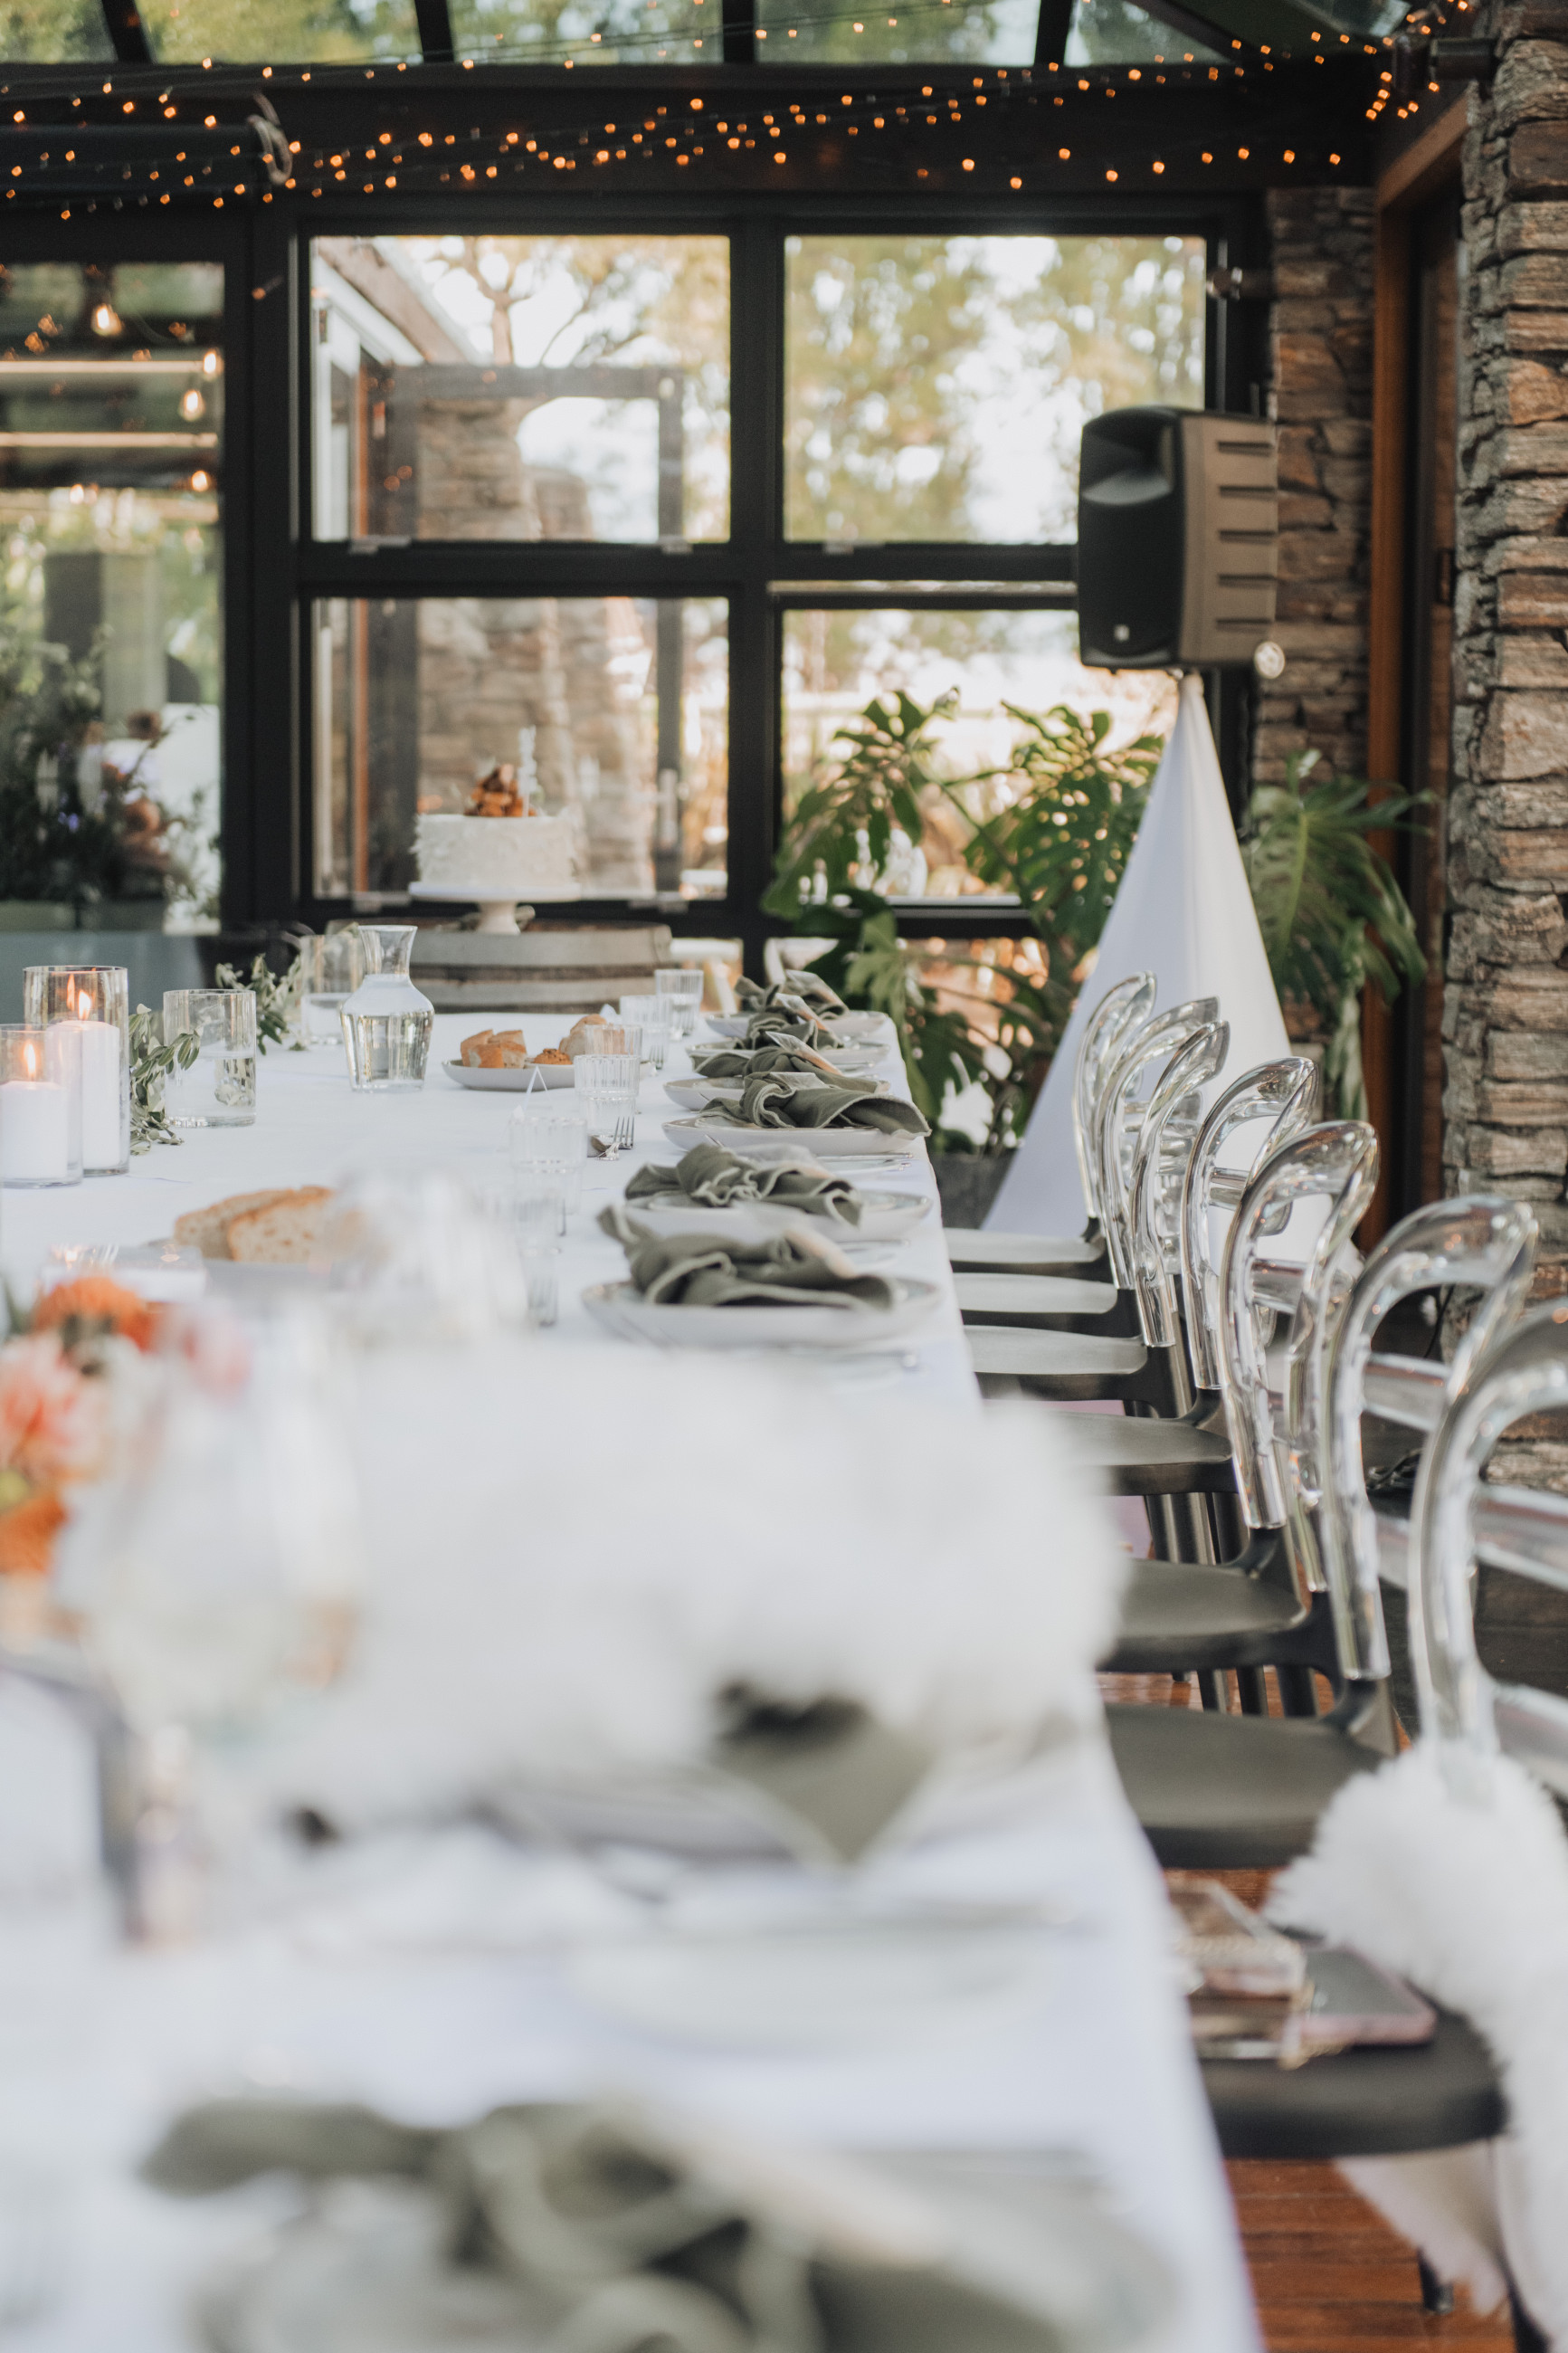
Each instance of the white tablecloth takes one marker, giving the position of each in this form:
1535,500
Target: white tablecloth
1098,2071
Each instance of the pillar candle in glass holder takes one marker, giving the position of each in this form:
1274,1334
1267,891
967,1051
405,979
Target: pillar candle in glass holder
95,1001
41,1105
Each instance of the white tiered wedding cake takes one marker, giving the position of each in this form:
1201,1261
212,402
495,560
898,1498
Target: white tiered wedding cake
497,854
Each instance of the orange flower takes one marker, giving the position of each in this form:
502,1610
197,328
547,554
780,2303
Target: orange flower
27,1534
93,1299
51,1418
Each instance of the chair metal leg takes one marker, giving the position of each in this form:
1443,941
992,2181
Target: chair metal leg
1250,1688
1298,1692
1214,1689
1436,2294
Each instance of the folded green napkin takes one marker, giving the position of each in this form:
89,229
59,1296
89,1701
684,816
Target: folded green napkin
760,1062
605,2230
786,1020
809,987
792,1268
713,1179
774,1102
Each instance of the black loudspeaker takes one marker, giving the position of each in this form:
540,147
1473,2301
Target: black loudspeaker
1178,539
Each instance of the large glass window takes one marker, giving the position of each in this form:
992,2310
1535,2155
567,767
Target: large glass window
110,652
521,387
1110,32
936,386
45,32
615,709
993,664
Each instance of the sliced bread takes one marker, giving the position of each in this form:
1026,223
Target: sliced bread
287,1231
208,1229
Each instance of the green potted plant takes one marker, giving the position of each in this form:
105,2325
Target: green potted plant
1332,914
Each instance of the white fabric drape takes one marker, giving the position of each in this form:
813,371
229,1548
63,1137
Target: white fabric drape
1184,913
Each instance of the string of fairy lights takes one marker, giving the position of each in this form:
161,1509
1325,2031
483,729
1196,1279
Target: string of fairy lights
117,141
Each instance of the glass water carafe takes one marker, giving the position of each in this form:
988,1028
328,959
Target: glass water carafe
387,1022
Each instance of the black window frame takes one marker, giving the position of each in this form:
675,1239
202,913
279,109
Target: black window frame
758,572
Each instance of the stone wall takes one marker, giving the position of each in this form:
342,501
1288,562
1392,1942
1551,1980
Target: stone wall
1319,344
1506,1006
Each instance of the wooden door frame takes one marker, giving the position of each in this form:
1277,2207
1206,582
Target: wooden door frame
1423,170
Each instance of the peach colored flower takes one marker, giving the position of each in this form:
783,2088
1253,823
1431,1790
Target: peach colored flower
93,1301
27,1534
51,1418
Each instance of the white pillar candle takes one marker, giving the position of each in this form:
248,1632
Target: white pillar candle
102,1087
34,1132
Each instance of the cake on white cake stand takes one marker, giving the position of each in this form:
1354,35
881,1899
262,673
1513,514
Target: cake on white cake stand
499,914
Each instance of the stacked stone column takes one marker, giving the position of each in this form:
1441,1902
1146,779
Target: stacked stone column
1506,1006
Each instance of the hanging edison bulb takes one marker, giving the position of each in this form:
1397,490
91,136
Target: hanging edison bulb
192,405
106,320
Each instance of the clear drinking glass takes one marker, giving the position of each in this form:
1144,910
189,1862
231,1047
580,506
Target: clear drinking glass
328,973
41,1105
683,987
538,1217
220,1088
94,999
548,1140
606,1087
386,1023
610,1038
651,1016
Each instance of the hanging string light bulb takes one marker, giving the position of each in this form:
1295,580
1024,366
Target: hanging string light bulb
106,320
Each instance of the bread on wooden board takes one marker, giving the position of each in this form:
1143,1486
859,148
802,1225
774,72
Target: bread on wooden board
286,1231
208,1229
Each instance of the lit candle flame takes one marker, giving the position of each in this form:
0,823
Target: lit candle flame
31,1056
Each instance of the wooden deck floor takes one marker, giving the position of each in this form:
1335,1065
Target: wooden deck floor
1329,2275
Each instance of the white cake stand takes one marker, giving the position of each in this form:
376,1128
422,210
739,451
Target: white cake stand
499,914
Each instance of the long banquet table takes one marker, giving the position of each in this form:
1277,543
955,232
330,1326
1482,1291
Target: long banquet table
1096,2083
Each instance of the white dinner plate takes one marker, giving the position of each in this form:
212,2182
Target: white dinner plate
849,1029
770,1143
884,1218
510,1082
621,1308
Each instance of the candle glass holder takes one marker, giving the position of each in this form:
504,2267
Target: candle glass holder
40,1103
218,1089
95,998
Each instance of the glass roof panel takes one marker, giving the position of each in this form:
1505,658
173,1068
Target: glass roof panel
182,32
913,32
45,32
1372,17
590,32
1110,32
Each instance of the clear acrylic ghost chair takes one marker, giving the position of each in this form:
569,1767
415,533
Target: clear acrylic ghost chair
1064,1368
1108,1307
1483,1242
1243,1793
1130,1366
1463,1707
1266,1607
1445,2095
1122,1010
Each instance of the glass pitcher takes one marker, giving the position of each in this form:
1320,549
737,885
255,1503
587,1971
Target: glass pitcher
387,1022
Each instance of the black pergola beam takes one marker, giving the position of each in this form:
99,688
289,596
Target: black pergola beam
434,19
127,32
1051,32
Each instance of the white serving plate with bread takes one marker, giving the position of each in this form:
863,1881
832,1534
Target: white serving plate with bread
284,1225
516,1080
